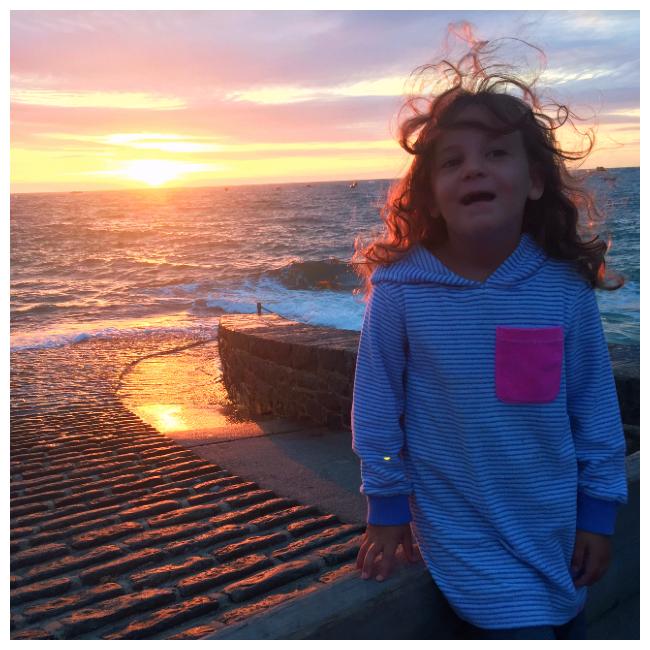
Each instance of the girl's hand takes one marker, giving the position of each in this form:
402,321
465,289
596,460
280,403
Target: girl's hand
383,541
591,557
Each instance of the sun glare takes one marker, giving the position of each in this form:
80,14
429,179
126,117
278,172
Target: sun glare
153,172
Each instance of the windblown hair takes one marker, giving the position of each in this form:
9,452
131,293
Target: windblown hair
560,221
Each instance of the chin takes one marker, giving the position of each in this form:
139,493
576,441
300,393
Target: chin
481,226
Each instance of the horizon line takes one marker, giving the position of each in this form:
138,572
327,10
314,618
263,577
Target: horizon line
253,184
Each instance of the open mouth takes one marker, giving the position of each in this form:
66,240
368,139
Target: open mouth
476,197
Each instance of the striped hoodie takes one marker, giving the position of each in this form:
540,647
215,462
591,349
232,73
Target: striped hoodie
486,414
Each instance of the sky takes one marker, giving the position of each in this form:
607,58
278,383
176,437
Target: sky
127,99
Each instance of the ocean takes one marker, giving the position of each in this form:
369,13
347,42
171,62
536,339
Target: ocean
112,263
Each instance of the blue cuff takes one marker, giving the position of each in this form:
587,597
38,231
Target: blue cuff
389,511
596,515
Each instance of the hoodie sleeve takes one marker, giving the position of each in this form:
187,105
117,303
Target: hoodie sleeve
595,419
378,402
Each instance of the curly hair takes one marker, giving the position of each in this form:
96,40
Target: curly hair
560,221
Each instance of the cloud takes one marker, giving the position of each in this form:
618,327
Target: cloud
124,144
95,99
192,53
242,85
384,87
229,122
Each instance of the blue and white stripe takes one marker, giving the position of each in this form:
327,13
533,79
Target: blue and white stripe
496,490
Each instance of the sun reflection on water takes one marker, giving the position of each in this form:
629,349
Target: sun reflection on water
179,392
164,417
170,418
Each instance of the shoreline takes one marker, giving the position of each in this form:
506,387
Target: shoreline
186,325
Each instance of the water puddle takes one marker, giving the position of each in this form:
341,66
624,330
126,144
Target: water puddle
180,394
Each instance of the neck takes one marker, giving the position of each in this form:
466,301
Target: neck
477,257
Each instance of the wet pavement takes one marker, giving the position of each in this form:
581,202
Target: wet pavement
117,531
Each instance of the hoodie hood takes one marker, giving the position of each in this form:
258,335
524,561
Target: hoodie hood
420,266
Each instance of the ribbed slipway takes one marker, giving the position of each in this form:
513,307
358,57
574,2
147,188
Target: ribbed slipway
487,412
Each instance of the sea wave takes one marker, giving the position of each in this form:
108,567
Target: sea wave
41,308
328,308
72,333
329,274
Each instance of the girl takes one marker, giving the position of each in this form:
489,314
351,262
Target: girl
485,412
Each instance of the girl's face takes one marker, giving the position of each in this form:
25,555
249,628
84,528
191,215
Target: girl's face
481,181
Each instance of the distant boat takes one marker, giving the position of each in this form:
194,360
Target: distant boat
226,188
353,184
606,177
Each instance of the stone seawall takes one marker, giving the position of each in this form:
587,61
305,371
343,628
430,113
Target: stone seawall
274,366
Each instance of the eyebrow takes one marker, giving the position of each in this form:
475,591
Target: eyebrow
493,136
449,147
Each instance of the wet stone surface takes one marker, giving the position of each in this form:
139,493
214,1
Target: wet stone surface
117,532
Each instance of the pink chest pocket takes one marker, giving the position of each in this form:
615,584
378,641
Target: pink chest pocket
528,364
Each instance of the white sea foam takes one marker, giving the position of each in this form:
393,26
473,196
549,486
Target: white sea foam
71,333
337,309
340,310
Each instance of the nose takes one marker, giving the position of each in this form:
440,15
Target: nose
473,167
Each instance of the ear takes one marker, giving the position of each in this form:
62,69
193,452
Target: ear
536,184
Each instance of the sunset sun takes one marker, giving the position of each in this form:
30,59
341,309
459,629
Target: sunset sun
153,172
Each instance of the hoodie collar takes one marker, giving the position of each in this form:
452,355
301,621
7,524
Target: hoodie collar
420,266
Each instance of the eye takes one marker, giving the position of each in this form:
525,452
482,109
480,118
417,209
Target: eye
450,162
497,153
